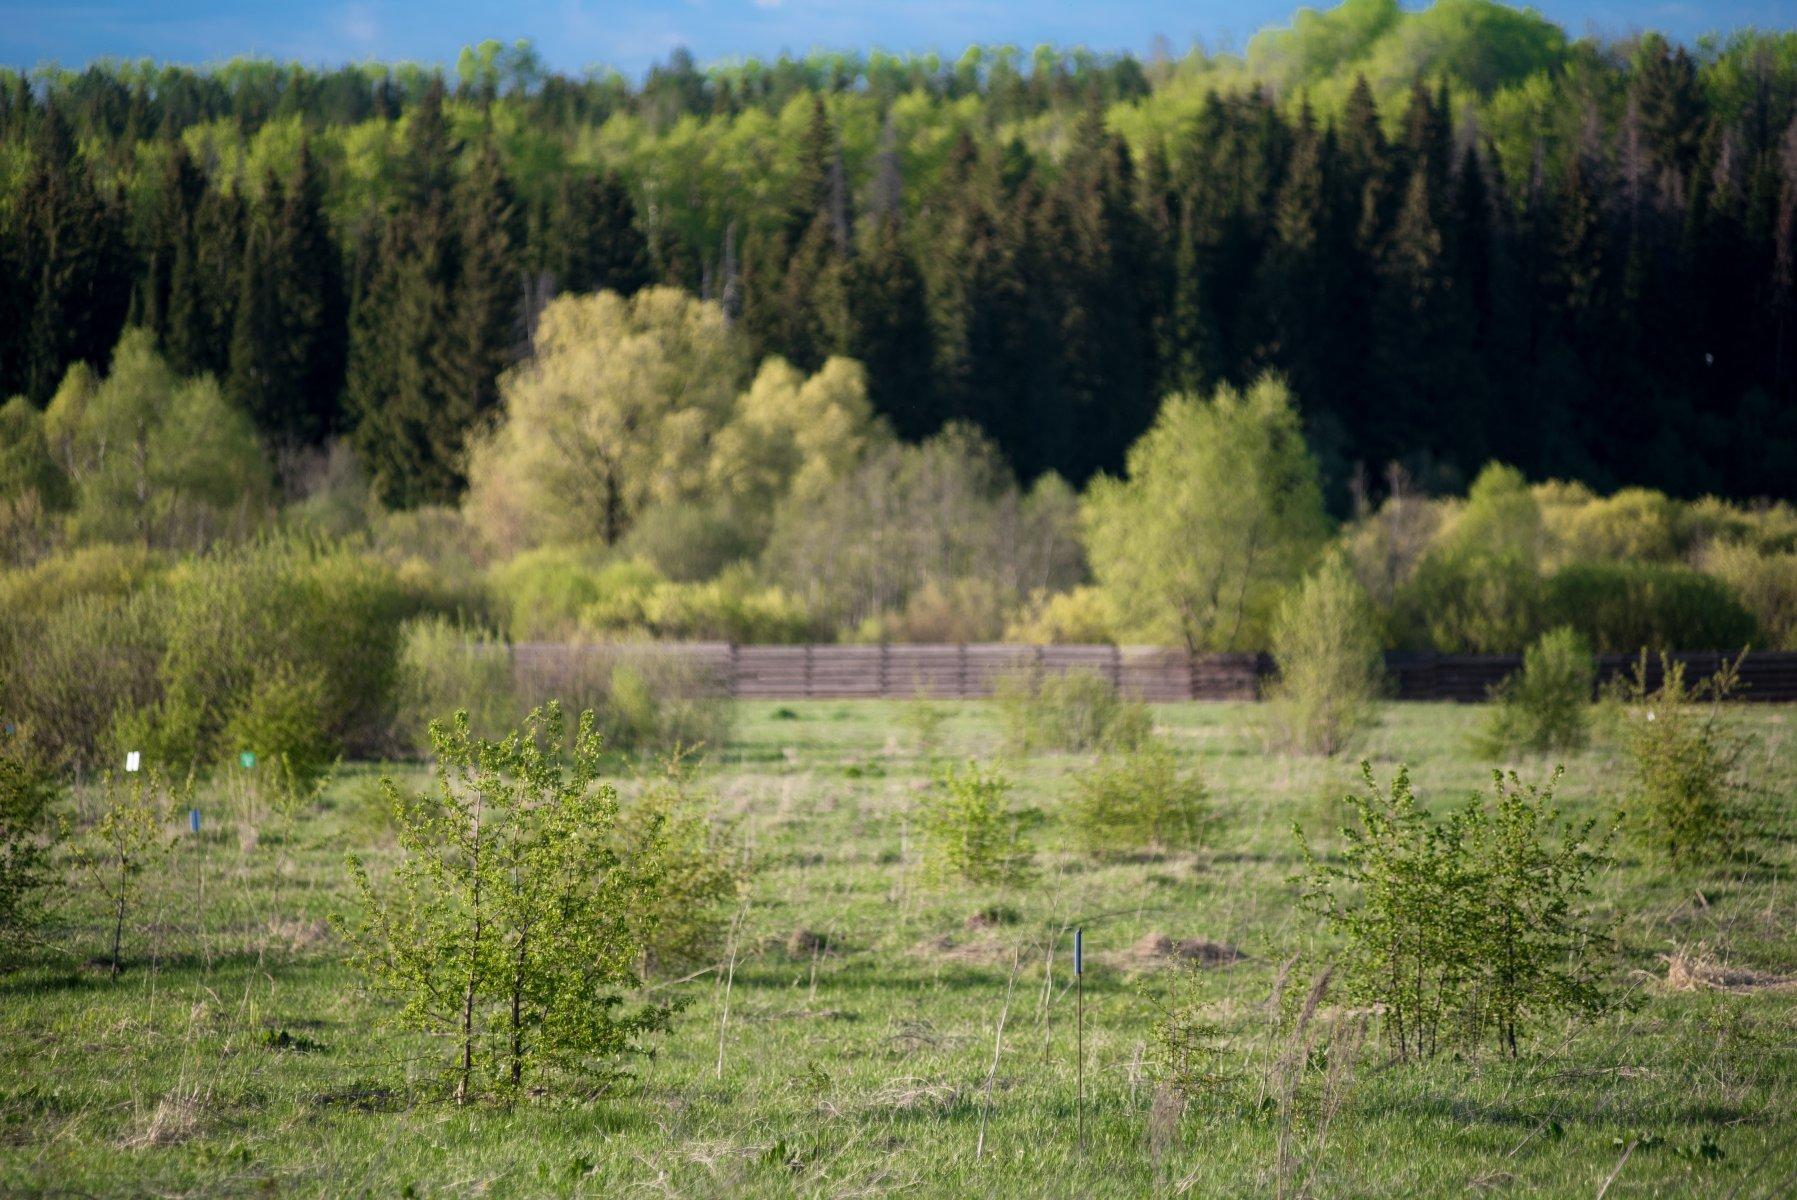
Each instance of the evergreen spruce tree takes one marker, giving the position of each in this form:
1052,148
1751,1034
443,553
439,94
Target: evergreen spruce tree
1106,372
180,193
203,286
314,308
72,263
261,380
393,388
483,330
890,332
592,239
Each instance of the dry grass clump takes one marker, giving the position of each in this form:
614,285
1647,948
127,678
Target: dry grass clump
175,1119
1159,947
1696,968
911,1095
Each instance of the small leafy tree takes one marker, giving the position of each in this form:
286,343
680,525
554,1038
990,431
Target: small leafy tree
1221,510
970,829
1139,800
1546,706
1326,643
25,798
1401,898
924,720
129,838
1192,1056
1533,947
510,925
1684,746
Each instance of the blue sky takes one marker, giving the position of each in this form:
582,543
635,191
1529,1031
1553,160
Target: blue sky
630,34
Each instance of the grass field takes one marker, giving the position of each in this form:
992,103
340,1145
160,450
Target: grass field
237,1054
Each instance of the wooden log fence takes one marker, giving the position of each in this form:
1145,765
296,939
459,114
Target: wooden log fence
977,670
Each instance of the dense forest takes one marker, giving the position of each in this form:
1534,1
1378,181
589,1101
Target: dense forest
1458,235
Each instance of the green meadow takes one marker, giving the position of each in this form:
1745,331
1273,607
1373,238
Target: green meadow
869,1031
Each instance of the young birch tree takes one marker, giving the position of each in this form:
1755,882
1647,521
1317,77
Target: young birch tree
511,926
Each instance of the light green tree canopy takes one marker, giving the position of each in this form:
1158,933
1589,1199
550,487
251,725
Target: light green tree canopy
793,434
633,404
153,457
615,412
1501,519
1221,508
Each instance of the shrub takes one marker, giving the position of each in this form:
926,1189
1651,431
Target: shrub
1765,582
924,720
1139,800
657,703
731,607
688,542
1082,616
1466,926
26,795
285,721
1546,705
1071,710
1634,524
239,619
1469,603
1622,608
944,510
107,570
958,610
544,592
971,831
682,925
445,665
509,919
1683,747
67,675
1327,648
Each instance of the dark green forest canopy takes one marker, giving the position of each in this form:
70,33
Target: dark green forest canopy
1459,233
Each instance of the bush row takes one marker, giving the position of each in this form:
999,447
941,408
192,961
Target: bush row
283,647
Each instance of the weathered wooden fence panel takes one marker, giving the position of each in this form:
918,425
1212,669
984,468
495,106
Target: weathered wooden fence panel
971,671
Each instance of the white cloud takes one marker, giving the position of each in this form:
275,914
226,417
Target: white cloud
358,25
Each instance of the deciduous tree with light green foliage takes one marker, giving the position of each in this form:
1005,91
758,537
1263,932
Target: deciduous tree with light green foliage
789,434
510,927
1220,509
1326,642
633,404
153,457
615,412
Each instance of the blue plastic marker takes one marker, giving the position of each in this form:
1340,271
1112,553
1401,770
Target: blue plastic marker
193,819
1079,951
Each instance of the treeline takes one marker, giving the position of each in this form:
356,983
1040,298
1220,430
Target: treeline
647,477
1458,235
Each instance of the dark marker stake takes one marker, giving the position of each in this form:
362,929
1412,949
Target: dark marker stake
1079,1024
